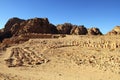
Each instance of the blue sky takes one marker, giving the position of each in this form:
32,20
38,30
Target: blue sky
104,14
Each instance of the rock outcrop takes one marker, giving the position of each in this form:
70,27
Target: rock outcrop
38,25
35,25
94,31
68,28
79,30
13,24
64,28
115,31
16,26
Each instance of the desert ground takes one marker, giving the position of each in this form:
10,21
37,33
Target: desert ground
73,57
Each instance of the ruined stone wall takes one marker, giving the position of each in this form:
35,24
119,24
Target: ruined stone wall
32,35
102,42
110,42
35,35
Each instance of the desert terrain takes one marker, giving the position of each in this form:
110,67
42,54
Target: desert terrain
73,57
35,49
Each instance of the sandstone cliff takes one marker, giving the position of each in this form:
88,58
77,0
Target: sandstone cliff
16,27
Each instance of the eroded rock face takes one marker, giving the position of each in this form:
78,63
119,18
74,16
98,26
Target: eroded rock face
94,31
79,30
16,26
115,31
4,35
64,28
112,33
37,25
12,24
68,28
1,33
10,28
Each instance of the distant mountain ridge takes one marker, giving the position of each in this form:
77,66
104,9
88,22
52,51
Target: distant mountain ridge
16,26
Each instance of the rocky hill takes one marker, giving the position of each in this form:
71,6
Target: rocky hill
35,49
16,26
18,30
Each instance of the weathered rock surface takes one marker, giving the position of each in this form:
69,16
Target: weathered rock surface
115,31
13,24
68,28
94,31
64,28
16,26
36,25
79,30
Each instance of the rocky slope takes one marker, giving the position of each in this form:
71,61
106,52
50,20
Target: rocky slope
115,31
73,57
16,26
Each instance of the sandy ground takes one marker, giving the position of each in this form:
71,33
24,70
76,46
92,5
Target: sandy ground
66,62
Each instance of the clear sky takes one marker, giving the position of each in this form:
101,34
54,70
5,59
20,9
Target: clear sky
104,14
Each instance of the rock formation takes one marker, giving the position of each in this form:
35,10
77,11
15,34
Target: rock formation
94,31
79,30
68,28
35,25
16,26
13,24
64,28
115,31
